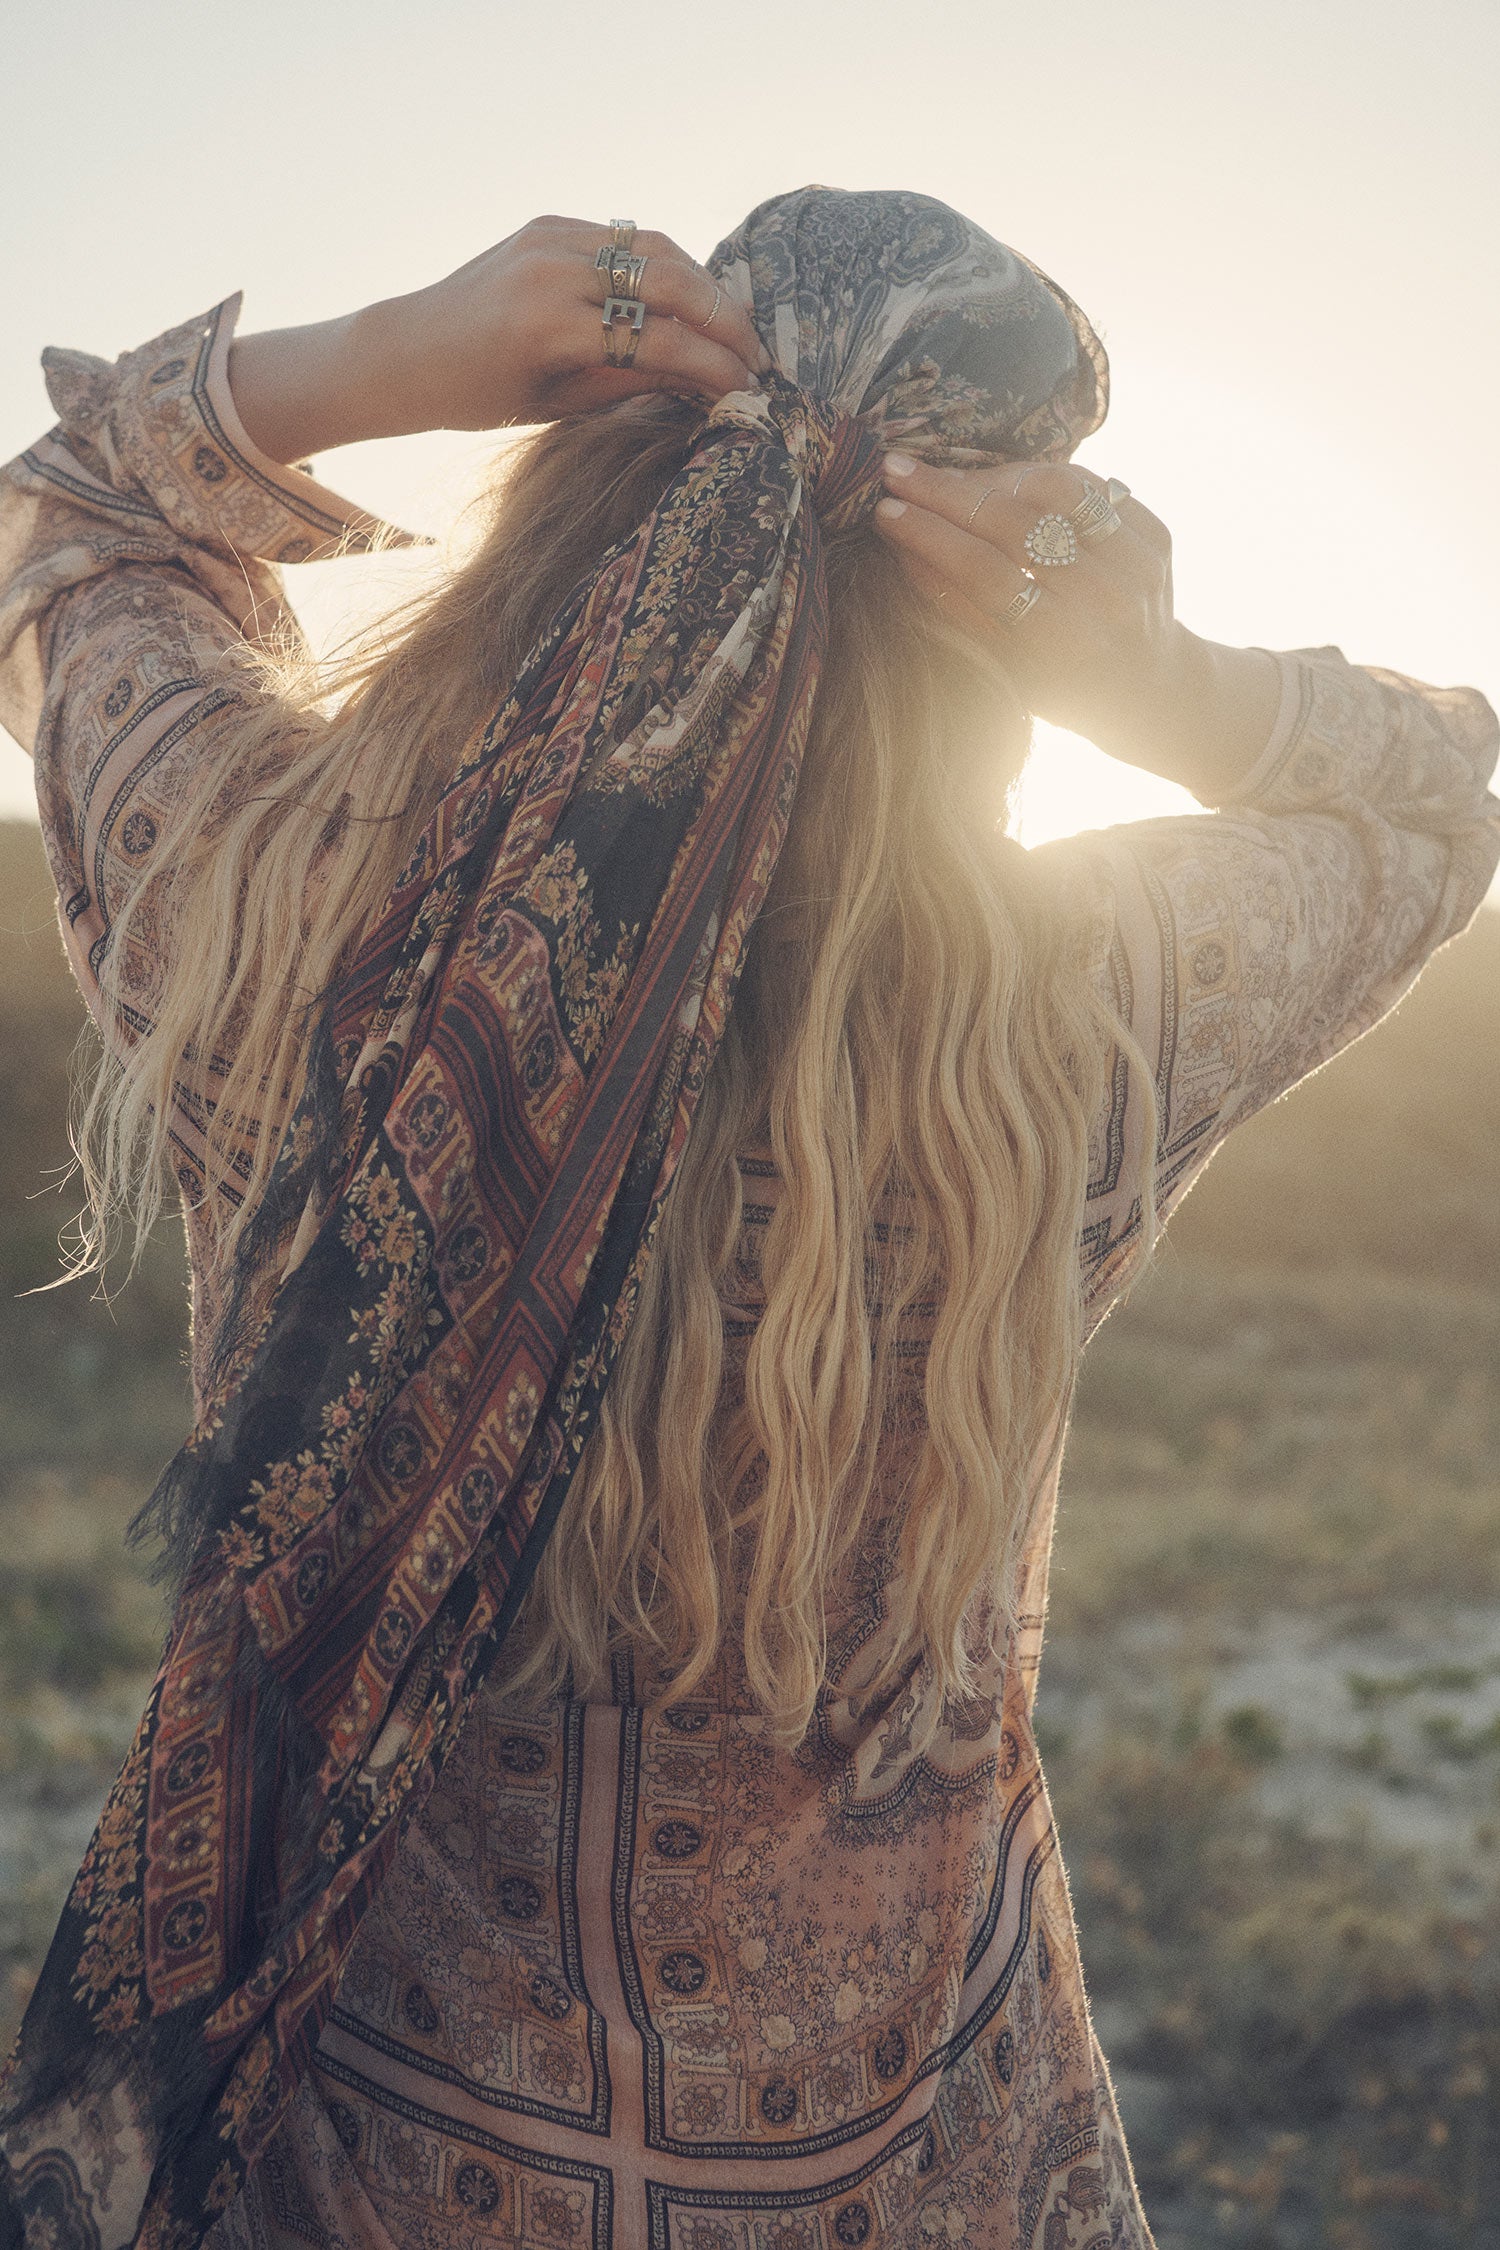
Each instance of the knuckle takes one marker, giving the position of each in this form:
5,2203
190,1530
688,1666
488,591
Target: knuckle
534,266
661,288
1047,486
997,591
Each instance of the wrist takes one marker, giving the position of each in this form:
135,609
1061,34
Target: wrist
1144,712
1203,718
386,362
335,382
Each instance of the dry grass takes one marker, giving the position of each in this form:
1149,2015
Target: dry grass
1293,1431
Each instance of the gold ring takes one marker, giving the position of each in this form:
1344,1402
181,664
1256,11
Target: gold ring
634,313
1017,607
979,503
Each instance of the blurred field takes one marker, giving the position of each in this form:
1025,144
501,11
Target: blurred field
1271,1702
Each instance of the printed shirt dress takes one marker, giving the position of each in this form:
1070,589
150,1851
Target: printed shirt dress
640,1977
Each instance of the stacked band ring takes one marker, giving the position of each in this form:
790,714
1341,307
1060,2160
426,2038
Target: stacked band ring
1094,508
1095,516
624,271
623,302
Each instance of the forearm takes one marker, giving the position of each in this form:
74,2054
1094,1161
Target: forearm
1202,722
304,390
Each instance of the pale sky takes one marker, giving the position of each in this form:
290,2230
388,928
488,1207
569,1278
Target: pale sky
1284,221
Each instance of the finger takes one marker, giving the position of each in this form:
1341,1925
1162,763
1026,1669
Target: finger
670,348
688,295
668,356
709,306
675,283
988,581
998,505
1125,567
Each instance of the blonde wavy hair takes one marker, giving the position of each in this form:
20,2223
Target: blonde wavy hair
917,1037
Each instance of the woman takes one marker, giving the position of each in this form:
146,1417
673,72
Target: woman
665,1574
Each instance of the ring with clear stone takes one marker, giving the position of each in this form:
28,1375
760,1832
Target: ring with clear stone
1052,543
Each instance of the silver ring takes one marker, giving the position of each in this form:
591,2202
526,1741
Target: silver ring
624,271
1018,606
633,312
1093,508
718,300
1104,528
1052,542
1117,491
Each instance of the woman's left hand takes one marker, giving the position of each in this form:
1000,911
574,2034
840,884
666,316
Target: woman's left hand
1099,648
516,335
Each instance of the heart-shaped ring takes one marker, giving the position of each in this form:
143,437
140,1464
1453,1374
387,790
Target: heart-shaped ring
1052,542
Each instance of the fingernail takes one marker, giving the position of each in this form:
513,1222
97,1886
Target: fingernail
899,465
891,508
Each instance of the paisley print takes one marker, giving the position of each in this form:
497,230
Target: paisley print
633,1975
896,307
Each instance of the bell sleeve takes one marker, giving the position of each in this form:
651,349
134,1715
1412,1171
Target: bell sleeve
1245,948
142,541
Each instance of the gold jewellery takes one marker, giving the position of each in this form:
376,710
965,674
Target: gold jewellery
622,303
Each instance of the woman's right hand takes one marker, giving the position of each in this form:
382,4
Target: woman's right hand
1100,651
514,336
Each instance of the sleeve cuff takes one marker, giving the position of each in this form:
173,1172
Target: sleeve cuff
171,423
1284,731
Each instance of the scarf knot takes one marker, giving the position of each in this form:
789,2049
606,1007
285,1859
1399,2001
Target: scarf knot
839,457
